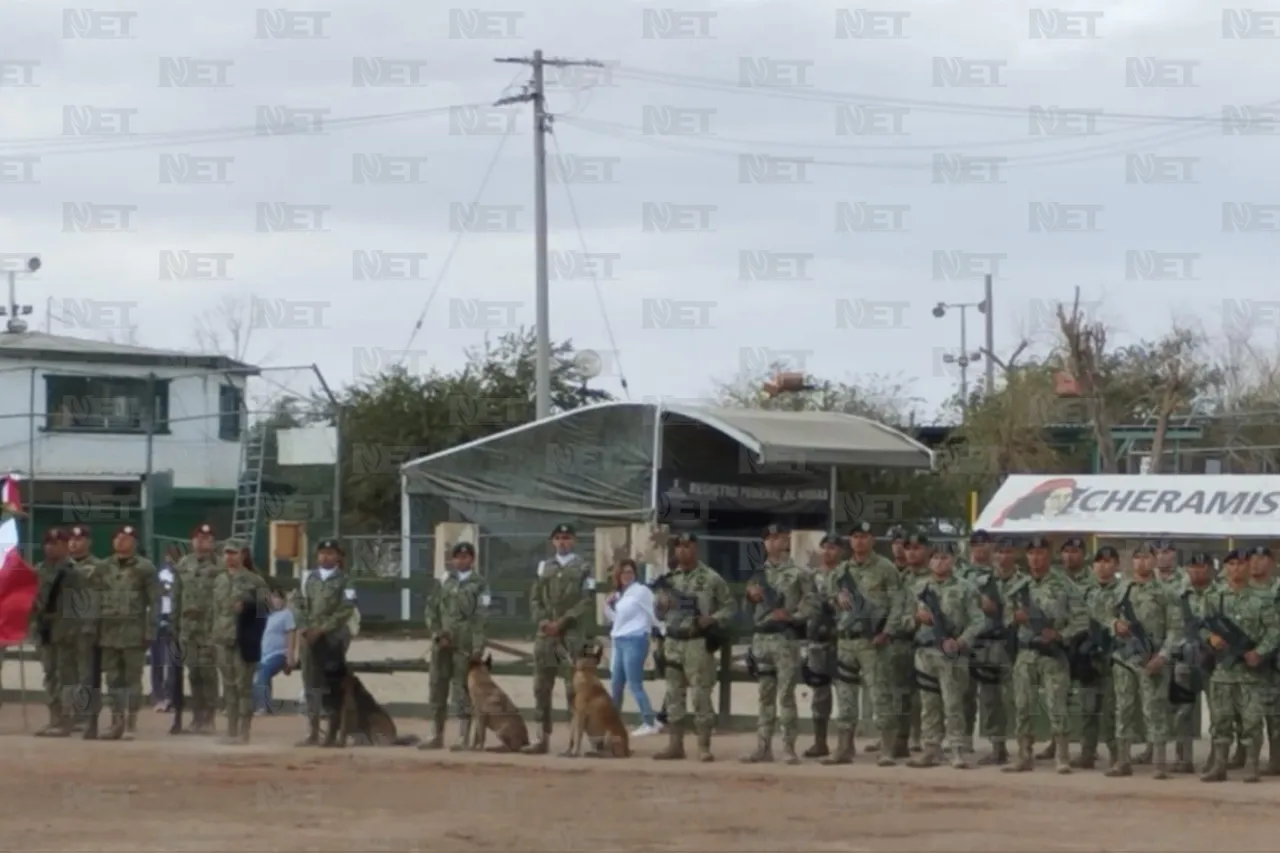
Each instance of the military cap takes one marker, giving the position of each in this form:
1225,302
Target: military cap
1200,558
860,527
1165,545
1144,549
205,529
777,530
948,548
832,539
916,539
1037,542
896,534
127,530
1106,552
1260,551
329,545
238,545
1231,556
685,537
563,530
464,548
80,531
1072,542
55,534
979,537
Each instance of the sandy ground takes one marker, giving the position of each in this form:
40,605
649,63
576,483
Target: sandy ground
162,793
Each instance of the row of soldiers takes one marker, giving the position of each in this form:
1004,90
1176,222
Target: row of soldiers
94,619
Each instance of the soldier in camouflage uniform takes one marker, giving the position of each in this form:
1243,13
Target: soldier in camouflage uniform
1262,575
455,617
1098,700
57,632
1041,662
1141,676
87,611
1196,589
820,652
322,610
995,690
129,588
976,569
918,554
192,599
1072,568
234,589
897,537
777,617
864,658
689,663
563,595
1238,687
1238,757
942,659
1167,568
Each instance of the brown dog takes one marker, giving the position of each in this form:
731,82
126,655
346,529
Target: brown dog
493,710
594,714
364,721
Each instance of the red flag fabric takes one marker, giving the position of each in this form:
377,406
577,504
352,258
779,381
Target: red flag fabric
19,584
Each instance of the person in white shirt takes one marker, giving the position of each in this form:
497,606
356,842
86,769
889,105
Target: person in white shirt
630,609
162,668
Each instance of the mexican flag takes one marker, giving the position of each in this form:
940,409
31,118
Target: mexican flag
18,581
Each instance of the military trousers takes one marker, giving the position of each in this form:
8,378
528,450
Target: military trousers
970,707
906,698
820,658
942,713
1272,712
317,690
201,663
995,700
122,670
553,659
861,663
1098,711
691,668
447,684
1139,695
237,684
1035,674
89,665
1237,709
61,665
778,659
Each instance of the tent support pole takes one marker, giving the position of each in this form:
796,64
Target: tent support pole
657,463
831,500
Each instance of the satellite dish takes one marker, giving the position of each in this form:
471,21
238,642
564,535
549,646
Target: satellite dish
588,363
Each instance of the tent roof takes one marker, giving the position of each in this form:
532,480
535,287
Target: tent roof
816,438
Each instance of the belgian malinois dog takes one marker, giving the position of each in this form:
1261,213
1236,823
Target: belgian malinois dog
494,710
594,714
365,721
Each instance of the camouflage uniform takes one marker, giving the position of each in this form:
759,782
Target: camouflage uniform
775,646
87,606
820,658
1272,718
689,663
326,605
942,712
995,691
1235,689
975,574
194,578
859,661
563,593
905,691
130,594
1034,672
233,590
57,633
1098,700
456,614
1079,582
1184,728
1157,611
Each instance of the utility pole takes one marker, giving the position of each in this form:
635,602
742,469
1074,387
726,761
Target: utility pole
990,315
534,92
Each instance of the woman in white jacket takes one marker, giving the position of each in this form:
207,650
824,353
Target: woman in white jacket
630,609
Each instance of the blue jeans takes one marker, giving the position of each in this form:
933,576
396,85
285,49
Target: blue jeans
267,670
628,671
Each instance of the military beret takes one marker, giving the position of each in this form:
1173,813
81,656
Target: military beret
859,527
1231,556
916,539
1072,542
80,531
329,545
685,537
832,539
464,548
236,545
1106,552
1006,543
1200,558
896,534
777,530
1144,549
1037,542
1165,545
127,530
1260,551
205,529
947,548
563,530
55,534
979,537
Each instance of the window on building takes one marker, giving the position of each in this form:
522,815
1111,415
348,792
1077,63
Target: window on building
230,412
104,404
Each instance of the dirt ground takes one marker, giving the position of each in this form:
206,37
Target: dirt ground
161,793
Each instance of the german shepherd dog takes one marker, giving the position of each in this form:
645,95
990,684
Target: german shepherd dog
594,714
494,710
364,721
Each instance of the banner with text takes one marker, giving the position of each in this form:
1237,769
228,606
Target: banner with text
1161,504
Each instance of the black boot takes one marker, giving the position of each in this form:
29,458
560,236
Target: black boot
819,748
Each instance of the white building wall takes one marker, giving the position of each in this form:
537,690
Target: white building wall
192,449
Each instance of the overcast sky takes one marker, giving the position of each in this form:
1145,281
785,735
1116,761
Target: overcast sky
755,181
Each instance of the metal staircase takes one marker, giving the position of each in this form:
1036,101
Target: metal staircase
248,503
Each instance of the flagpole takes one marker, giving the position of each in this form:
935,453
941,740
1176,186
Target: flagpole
22,682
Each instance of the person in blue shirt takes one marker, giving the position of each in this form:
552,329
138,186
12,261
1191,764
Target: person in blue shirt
277,650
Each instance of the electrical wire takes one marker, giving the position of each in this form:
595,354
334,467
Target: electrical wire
595,281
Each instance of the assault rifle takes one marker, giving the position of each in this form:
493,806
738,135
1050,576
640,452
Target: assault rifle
1087,653
1137,647
1238,642
941,630
994,634
773,600
864,618
1192,652
1037,622
685,627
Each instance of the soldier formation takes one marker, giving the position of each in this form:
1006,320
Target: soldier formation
94,618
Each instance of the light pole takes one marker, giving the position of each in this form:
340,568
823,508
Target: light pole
14,311
965,358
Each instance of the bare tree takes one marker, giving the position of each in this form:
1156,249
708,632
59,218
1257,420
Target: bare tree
1084,348
227,328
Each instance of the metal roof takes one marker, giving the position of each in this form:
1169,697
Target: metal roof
38,346
814,438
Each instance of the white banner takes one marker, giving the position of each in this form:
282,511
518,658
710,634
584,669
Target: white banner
1133,504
